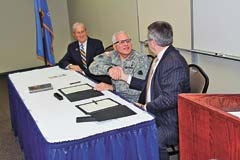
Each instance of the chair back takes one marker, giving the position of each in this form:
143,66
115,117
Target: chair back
199,80
199,84
109,48
150,56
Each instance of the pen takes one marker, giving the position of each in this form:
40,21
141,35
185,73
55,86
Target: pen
94,101
75,82
219,54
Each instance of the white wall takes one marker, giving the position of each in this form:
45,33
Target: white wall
17,40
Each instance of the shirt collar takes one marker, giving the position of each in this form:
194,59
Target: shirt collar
84,44
160,54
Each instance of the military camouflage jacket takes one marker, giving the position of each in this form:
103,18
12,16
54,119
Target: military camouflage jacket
136,64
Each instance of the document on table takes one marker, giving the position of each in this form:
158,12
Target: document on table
80,92
98,105
105,109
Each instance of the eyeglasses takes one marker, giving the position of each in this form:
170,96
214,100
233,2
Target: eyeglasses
123,41
146,42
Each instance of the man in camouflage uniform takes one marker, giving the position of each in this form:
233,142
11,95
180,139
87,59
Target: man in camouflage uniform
124,56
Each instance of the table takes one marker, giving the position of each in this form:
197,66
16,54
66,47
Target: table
47,130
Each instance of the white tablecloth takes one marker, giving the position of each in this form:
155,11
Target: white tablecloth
57,119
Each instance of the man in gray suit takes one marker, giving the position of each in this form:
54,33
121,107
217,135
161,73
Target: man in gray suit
167,77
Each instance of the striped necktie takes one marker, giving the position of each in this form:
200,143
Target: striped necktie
83,55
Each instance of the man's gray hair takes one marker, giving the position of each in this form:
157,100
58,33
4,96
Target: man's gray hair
76,24
116,33
161,32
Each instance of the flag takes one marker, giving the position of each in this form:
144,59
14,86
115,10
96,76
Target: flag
44,32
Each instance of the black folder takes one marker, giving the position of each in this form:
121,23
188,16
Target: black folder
81,94
107,113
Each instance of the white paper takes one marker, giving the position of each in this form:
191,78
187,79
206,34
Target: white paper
98,105
74,89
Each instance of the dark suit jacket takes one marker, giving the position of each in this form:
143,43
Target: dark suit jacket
170,78
94,47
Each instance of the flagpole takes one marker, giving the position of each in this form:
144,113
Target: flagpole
43,37
44,33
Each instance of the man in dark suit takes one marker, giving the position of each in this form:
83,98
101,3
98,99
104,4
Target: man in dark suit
167,77
81,52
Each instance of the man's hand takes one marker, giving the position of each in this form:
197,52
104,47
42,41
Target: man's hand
140,105
75,68
115,72
103,86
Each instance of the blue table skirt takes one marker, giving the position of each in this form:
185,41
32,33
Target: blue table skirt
138,142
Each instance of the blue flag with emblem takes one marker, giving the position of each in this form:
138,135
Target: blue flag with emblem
44,32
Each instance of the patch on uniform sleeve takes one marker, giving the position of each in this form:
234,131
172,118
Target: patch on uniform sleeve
140,72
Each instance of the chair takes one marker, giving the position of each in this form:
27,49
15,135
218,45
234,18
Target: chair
199,80
109,48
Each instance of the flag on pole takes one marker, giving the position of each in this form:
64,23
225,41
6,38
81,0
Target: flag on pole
44,32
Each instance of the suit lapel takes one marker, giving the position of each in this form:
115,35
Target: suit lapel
76,47
156,73
169,49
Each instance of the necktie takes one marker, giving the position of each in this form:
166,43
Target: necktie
150,79
83,55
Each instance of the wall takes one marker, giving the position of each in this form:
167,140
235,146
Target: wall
177,15
104,17
223,74
17,41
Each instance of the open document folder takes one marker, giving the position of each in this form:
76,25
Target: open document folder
105,109
80,92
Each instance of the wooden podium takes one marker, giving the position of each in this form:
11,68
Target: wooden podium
206,130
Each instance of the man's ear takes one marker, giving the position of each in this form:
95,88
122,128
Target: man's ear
153,42
153,45
114,47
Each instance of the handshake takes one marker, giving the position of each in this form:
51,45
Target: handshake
117,73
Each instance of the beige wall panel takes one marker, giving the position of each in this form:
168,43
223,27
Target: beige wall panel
104,17
176,12
17,41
